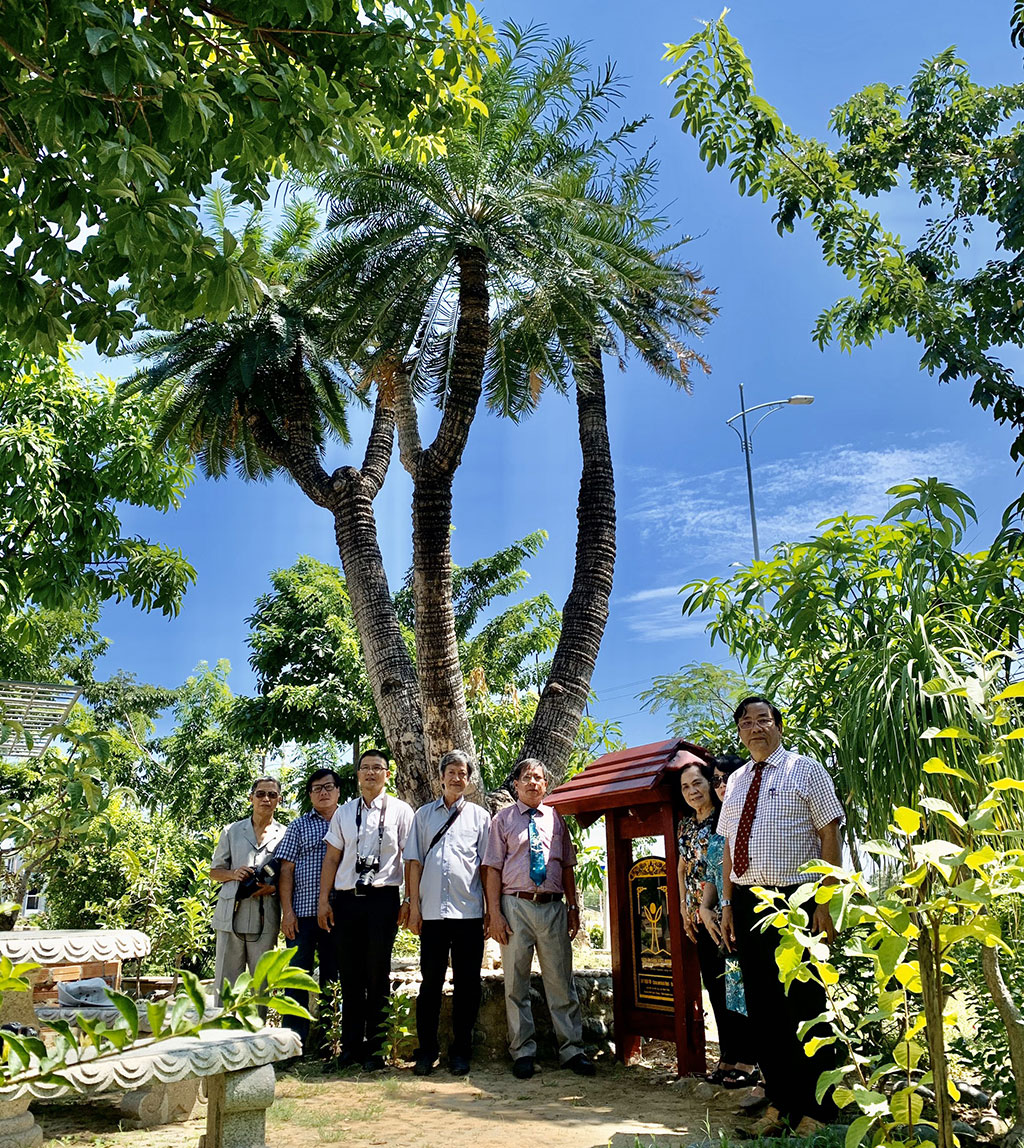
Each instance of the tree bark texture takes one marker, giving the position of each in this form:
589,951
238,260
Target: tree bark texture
1013,1020
553,732
442,694
388,664
930,965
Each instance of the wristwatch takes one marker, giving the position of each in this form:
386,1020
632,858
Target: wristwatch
725,902
572,908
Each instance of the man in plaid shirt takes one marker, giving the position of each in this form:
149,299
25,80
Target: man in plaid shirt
780,812
301,853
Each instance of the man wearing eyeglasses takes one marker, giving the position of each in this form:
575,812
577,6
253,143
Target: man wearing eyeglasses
780,812
360,904
301,854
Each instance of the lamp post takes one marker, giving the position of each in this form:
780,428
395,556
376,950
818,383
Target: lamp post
745,436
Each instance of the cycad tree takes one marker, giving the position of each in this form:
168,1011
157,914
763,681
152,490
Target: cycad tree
514,262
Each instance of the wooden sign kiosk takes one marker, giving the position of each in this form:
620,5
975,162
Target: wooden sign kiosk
655,974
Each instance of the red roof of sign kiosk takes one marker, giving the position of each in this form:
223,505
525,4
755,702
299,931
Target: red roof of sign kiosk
627,777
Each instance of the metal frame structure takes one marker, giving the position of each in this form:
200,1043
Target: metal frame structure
36,707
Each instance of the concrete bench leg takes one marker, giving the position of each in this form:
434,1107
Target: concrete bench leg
236,1116
18,1127
159,1103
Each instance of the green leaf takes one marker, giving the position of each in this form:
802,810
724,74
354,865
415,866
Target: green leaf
936,765
857,1131
128,1009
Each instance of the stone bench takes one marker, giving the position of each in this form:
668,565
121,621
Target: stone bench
160,1083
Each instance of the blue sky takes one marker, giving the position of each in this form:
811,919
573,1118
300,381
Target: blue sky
876,419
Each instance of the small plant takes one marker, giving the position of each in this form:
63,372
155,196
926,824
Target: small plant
326,1030
596,935
406,944
397,1028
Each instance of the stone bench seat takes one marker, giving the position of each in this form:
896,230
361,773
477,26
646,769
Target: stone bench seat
160,1083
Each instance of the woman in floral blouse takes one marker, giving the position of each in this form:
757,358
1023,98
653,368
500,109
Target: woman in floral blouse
696,831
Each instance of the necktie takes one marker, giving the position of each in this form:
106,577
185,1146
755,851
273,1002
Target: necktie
741,856
538,866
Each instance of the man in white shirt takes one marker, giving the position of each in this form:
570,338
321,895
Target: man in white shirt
780,812
446,907
360,904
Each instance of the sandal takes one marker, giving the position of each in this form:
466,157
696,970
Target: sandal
739,1079
719,1075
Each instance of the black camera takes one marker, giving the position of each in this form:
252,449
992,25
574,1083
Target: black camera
262,875
365,871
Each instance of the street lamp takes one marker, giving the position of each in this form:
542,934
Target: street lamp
746,436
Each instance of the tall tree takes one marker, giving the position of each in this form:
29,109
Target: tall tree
521,254
116,117
953,142
71,456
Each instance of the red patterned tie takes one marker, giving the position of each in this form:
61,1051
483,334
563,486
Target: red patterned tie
741,857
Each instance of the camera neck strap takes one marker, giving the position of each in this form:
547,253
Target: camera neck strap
380,825
452,817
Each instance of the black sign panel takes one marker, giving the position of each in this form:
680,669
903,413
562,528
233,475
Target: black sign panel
652,947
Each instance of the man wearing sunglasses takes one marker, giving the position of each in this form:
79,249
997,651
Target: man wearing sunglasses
301,854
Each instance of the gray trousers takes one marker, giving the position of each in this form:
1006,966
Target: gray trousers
544,928
236,954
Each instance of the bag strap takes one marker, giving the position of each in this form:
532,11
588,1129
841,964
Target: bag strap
452,818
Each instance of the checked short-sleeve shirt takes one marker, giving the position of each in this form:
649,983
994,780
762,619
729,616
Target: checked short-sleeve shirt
797,799
303,844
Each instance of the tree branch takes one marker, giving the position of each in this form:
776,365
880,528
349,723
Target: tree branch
380,444
407,420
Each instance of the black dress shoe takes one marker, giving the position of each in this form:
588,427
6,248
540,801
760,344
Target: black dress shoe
582,1065
458,1065
423,1067
346,1060
523,1068
373,1064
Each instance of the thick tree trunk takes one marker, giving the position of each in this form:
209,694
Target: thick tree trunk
1013,1019
388,664
445,717
585,614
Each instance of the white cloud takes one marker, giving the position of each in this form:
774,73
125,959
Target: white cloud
703,520
706,516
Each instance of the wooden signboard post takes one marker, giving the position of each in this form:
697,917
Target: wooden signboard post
655,975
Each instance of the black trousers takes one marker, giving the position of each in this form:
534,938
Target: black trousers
735,1042
790,1076
312,942
364,935
463,941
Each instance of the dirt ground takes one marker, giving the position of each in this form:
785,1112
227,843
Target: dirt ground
634,1107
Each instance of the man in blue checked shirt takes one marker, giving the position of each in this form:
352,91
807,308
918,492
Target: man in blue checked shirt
301,853
446,907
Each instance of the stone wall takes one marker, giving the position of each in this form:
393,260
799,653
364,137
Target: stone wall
594,987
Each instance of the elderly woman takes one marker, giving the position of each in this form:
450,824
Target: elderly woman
246,927
696,835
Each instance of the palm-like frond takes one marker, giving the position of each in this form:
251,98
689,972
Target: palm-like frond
562,214
230,388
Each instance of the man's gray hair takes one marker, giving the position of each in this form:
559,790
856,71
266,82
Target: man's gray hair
456,757
520,768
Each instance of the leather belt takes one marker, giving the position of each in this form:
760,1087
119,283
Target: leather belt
538,898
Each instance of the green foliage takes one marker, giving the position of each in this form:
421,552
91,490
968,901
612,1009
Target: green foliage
954,143
154,876
398,1029
27,1059
850,628
203,769
700,699
406,944
563,215
955,864
63,798
38,645
306,654
115,124
69,456
596,936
